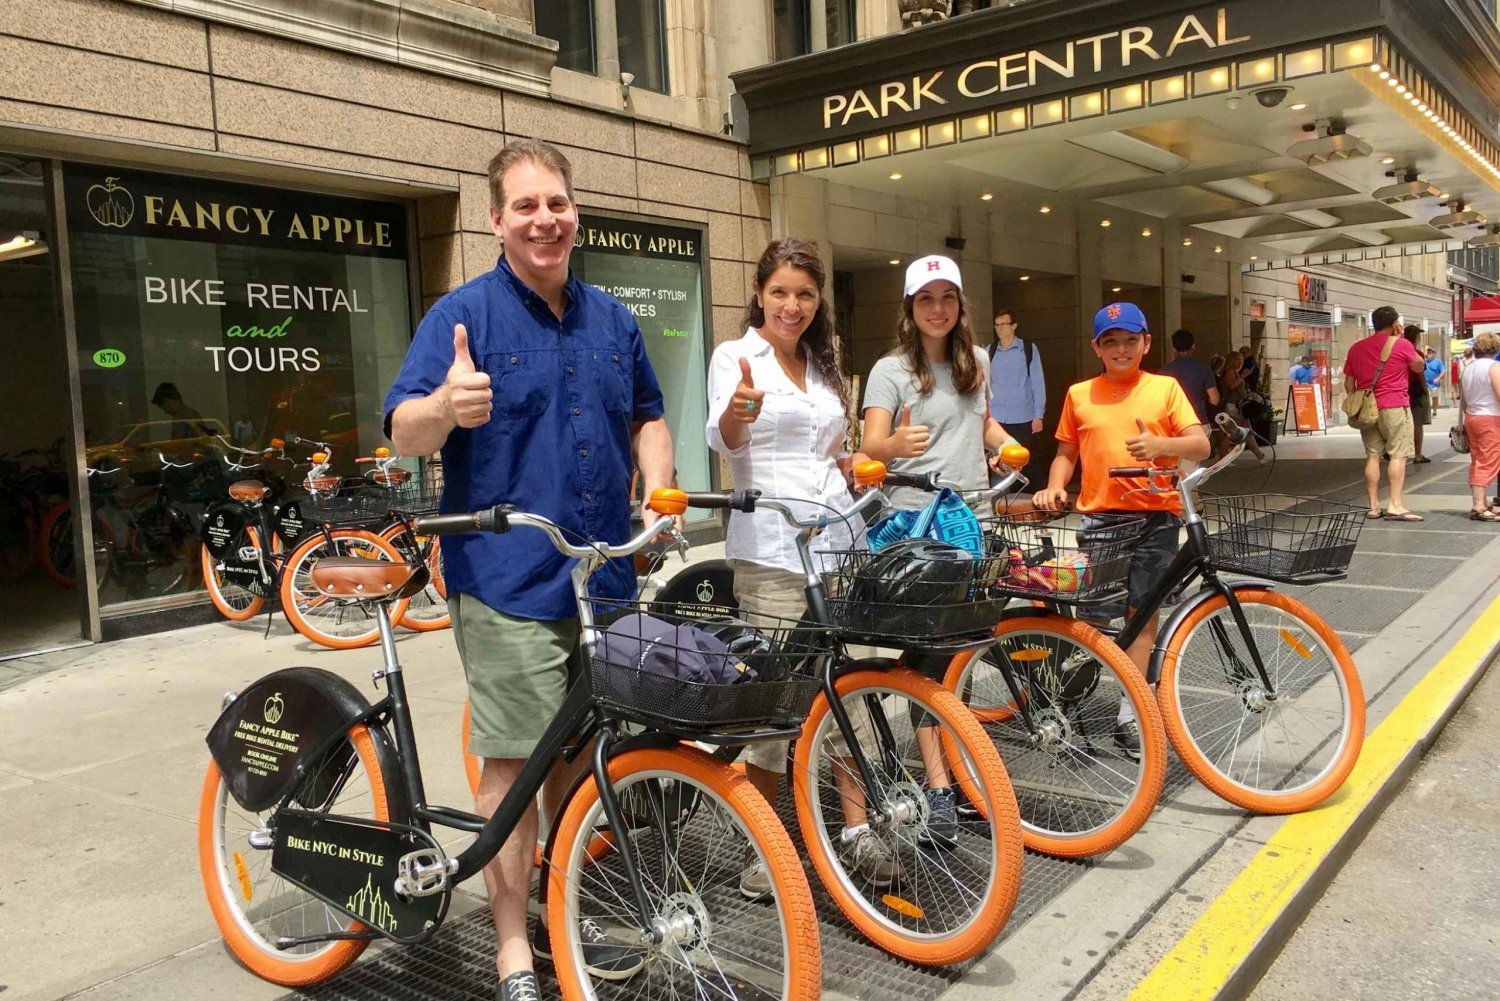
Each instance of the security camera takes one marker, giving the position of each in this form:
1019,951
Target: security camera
1271,97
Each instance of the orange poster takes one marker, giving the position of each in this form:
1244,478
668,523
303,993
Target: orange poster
1307,409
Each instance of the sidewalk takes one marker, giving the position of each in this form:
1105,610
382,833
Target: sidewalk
102,760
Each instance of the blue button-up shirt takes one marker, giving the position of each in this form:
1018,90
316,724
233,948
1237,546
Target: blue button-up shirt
1018,393
558,439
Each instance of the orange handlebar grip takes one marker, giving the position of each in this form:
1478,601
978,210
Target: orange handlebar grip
278,443
382,452
870,474
320,456
668,500
1015,456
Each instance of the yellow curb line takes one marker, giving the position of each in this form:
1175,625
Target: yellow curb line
1218,945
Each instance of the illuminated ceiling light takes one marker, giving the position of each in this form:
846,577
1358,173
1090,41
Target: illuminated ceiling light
1187,241
1377,68
1146,231
1410,189
1443,195
1387,160
1115,288
895,260
1218,250
1025,278
1105,223
1299,106
1255,257
896,176
987,196
1018,117
1045,209
1332,144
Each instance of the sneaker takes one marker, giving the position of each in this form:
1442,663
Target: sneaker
942,818
869,858
602,958
519,987
1128,738
755,879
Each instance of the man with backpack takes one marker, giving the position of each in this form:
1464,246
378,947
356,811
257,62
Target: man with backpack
1018,394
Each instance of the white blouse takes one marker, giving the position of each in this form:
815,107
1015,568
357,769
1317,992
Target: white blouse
792,454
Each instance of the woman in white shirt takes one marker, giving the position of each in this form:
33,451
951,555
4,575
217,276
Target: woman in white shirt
1479,402
779,411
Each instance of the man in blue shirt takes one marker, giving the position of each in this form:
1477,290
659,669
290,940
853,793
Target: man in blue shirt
1303,372
1195,377
1018,394
537,389
1435,370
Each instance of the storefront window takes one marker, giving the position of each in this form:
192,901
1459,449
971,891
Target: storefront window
208,310
1316,343
657,271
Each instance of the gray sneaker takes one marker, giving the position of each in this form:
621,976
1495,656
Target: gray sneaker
942,818
519,987
1128,738
868,857
755,879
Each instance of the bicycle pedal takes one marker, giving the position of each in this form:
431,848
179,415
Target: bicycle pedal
424,872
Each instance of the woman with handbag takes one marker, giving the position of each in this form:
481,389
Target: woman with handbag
1479,403
1421,400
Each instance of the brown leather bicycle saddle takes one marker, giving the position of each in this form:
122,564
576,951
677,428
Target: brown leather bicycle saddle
357,578
248,491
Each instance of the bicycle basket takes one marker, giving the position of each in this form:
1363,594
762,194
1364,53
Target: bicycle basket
355,503
650,661
1049,556
411,495
912,591
1281,537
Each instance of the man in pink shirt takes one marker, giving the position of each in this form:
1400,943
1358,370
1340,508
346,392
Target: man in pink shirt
1392,433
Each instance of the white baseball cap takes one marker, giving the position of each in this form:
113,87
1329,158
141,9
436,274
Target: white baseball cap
934,267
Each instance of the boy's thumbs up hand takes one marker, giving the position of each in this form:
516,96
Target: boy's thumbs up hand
909,440
466,391
746,404
1146,446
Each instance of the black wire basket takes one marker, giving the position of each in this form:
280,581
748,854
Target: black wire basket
1282,537
354,503
660,681
891,597
410,494
1049,557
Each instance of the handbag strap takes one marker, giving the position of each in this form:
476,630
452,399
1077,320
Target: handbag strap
1385,356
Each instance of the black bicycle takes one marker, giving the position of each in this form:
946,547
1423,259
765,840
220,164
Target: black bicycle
315,833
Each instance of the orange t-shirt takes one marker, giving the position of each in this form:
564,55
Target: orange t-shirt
1099,417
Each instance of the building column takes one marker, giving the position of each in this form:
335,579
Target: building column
1171,283
606,41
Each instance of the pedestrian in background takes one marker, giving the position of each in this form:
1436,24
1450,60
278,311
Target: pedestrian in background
1435,373
1196,379
1018,395
1479,405
1382,362
1302,372
1421,400
1249,368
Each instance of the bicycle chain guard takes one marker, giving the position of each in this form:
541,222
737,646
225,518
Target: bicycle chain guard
355,866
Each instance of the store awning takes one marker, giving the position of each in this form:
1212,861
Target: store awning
1485,309
1276,131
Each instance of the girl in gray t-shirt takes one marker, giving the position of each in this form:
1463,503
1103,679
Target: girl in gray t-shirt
926,404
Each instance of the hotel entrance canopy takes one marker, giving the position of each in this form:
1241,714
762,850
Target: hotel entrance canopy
1284,132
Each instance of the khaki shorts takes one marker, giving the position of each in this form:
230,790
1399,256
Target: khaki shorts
771,591
1391,435
518,670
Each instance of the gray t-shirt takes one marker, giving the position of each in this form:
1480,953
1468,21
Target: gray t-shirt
955,449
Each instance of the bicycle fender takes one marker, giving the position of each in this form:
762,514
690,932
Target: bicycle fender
709,584
265,740
1159,651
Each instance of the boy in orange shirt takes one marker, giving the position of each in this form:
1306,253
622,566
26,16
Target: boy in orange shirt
1126,417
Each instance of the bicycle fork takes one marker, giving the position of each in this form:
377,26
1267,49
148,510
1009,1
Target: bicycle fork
1239,673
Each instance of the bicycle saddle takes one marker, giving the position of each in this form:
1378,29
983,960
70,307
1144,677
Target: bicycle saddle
359,578
248,491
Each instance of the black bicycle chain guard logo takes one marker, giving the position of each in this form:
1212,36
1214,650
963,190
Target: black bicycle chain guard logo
352,865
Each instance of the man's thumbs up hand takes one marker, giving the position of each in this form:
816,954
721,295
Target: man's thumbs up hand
466,391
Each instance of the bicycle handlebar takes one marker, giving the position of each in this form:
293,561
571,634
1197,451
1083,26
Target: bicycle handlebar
502,518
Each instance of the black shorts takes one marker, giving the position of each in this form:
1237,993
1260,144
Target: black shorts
1149,561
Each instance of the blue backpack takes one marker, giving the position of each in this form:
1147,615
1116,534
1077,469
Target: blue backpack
946,518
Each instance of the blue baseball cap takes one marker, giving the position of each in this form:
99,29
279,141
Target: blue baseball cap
1119,316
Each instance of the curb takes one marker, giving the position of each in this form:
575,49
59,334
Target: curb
1233,943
